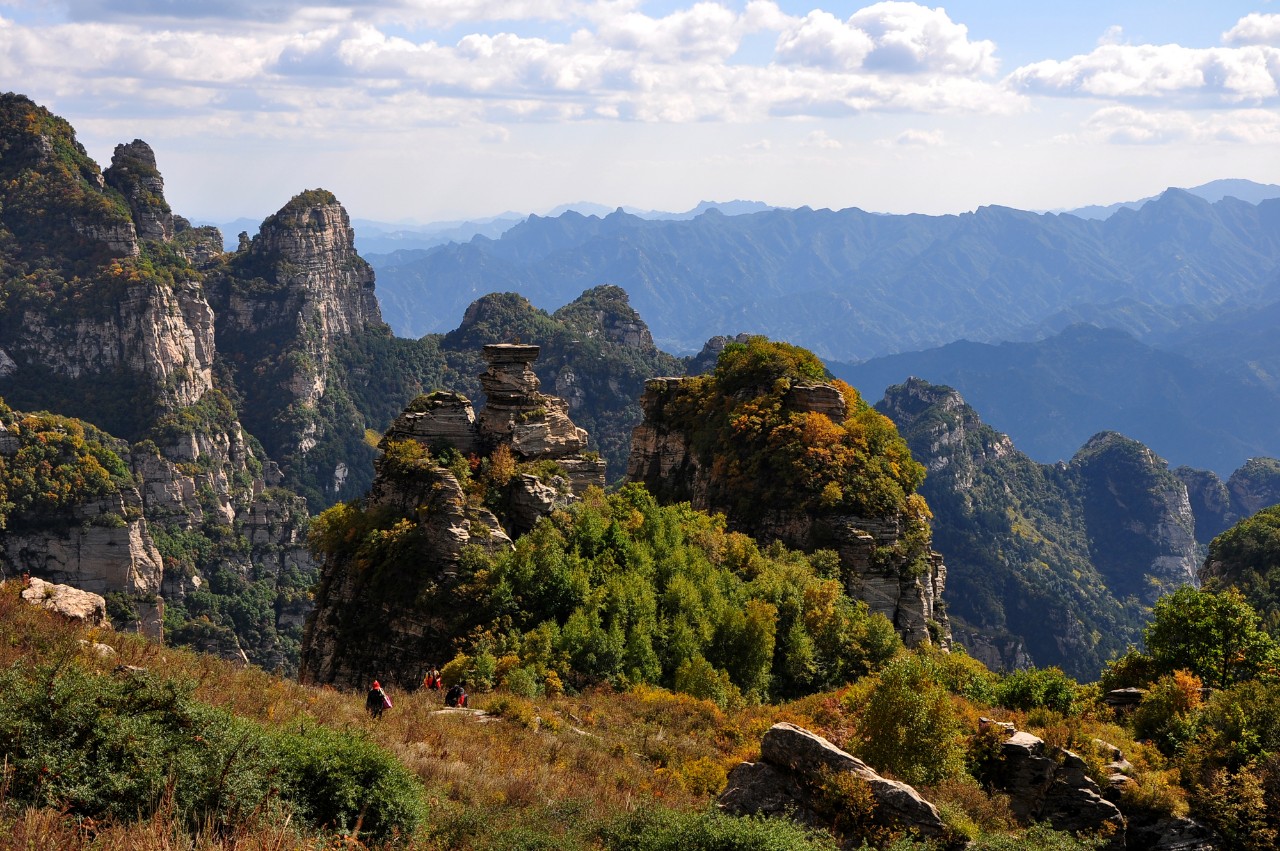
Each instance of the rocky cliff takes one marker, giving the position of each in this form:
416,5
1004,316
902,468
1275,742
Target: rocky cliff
105,317
1050,564
285,303
1219,505
392,594
725,443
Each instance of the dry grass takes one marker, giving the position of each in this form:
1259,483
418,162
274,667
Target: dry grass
554,766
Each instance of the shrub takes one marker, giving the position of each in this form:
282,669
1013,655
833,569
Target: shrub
908,724
656,829
1035,688
341,779
1168,713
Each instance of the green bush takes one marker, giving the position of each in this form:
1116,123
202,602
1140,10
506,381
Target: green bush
654,829
1039,688
337,779
122,748
113,748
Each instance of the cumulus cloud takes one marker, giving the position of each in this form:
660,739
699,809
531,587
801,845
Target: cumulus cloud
1247,71
890,37
1254,28
613,62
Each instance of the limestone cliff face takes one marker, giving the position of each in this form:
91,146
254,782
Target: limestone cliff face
1141,528
664,460
285,304
151,336
133,172
1219,505
160,336
317,288
1050,564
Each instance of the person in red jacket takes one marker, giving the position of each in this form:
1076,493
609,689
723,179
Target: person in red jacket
376,702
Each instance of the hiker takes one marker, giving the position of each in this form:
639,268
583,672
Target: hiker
432,680
456,696
377,701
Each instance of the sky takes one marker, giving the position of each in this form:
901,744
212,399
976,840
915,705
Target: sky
434,110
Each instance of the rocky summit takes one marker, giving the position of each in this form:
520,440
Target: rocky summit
885,557
391,620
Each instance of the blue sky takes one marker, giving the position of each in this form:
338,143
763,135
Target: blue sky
445,109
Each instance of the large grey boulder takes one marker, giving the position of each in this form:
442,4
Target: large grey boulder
73,604
795,764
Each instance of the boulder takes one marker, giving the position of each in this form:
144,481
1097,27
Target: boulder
71,603
795,763
1055,790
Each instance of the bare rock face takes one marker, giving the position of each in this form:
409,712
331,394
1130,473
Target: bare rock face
71,603
534,424
101,547
795,764
1042,788
133,172
439,418
662,458
294,293
161,335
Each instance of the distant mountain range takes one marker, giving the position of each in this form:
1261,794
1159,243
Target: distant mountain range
376,237
852,285
1213,191
1051,395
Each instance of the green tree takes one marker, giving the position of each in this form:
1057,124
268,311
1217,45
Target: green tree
1215,635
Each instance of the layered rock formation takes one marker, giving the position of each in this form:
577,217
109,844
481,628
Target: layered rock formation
1085,547
872,549
131,348
390,620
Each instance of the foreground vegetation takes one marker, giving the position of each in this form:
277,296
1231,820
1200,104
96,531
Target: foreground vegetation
154,747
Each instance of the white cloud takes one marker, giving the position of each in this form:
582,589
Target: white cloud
616,64
1114,34
1132,126
1254,28
821,139
890,37
920,139
1247,71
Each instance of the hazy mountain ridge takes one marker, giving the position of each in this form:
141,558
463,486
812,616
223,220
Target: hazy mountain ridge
1053,394
850,284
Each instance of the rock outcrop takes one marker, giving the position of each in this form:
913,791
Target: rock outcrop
391,621
794,769
1219,505
1055,788
284,305
665,460
82,607
134,174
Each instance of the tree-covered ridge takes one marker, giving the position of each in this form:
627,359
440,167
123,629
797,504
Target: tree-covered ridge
620,590
765,456
1058,562
1247,557
50,464
52,195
